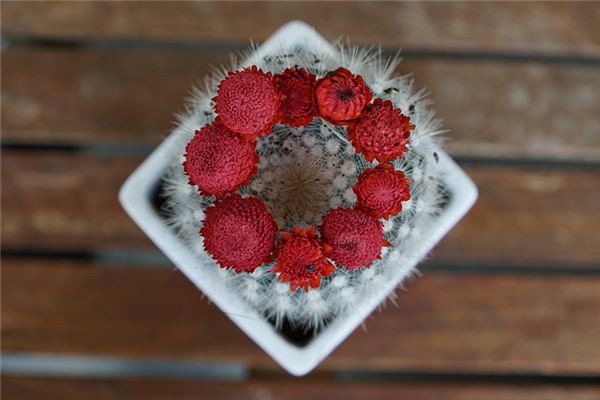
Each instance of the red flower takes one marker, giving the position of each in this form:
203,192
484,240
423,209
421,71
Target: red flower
341,96
218,161
247,102
355,237
239,233
301,259
297,96
382,133
380,191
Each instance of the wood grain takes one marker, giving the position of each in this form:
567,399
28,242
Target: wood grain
514,110
560,27
76,389
57,96
517,109
65,201
484,323
528,216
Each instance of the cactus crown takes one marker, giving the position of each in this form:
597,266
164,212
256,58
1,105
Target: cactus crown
305,171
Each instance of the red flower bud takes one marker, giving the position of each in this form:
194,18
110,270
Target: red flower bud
218,161
380,191
355,238
247,102
239,233
301,260
341,96
382,133
297,96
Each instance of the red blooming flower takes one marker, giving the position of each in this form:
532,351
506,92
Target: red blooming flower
380,191
297,96
301,260
341,96
382,133
239,233
354,236
218,161
247,102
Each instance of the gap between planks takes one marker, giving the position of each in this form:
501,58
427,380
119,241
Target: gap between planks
39,365
284,389
168,46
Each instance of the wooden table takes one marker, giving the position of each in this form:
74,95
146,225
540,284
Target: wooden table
509,305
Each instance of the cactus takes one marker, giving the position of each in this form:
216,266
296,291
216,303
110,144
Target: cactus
305,171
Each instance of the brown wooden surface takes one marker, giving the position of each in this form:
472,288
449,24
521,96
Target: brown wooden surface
490,26
531,324
62,389
493,109
65,201
509,300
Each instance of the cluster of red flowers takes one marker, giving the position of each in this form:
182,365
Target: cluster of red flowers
239,232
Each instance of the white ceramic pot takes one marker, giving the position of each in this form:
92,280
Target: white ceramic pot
139,191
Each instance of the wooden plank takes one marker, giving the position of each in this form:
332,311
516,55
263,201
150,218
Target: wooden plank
569,28
543,217
514,110
65,201
97,96
89,309
483,323
524,214
493,109
75,389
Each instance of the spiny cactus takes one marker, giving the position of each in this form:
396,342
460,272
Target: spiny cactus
305,171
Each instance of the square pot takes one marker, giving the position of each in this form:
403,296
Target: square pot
138,198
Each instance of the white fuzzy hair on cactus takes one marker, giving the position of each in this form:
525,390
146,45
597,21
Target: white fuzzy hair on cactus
303,172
